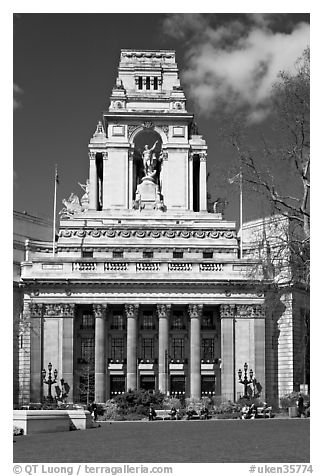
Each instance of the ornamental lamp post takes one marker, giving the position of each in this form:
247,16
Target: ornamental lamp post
50,381
245,382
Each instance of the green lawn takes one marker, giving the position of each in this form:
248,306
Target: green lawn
213,441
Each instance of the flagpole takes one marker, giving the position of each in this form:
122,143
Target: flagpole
54,217
241,218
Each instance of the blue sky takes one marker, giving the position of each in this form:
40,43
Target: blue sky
66,64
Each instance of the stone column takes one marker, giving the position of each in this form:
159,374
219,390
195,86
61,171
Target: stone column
34,312
163,312
190,179
195,313
130,184
203,197
131,311
99,355
93,205
227,312
67,351
103,190
164,183
250,344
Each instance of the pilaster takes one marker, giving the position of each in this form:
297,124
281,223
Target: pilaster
131,311
163,313
203,193
100,352
93,204
195,314
227,313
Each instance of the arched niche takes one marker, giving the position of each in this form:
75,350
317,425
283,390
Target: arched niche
141,137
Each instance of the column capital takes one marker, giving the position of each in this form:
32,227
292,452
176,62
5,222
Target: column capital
131,153
191,155
131,310
251,311
203,156
195,311
163,310
104,154
227,310
58,310
35,310
99,310
92,154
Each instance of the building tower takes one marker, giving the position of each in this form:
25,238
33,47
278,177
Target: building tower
146,289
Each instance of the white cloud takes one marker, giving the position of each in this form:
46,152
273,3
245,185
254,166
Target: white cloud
235,64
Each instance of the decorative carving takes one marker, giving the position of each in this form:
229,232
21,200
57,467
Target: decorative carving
148,125
86,197
193,130
92,154
83,266
203,156
36,310
227,310
250,311
150,160
165,129
99,310
163,310
195,311
72,205
131,310
219,205
59,310
112,233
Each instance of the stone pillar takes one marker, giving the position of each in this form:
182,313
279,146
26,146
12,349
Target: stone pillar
93,205
99,356
164,173
131,311
35,324
130,184
250,344
203,194
103,190
163,312
67,351
195,313
227,312
190,180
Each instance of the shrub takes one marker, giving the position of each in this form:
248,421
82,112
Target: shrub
172,402
135,401
227,407
110,411
290,400
17,431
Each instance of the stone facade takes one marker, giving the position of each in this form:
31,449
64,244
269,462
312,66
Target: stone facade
146,289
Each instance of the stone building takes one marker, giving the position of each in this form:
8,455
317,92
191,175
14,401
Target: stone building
146,288
26,226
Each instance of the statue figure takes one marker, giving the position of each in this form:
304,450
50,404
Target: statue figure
149,159
85,199
72,205
219,205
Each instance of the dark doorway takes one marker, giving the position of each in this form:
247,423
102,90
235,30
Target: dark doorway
207,385
177,386
117,384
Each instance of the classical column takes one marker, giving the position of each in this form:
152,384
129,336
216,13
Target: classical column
163,312
250,343
34,312
227,313
67,351
195,313
203,198
131,311
93,182
164,177
103,186
99,355
190,180
130,184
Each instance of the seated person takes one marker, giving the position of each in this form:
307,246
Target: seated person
204,413
152,413
173,413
